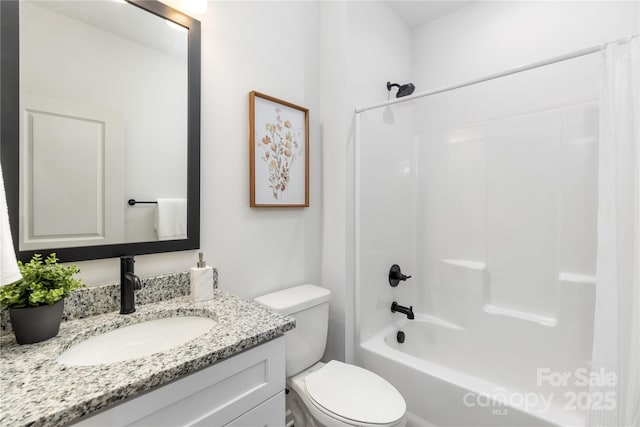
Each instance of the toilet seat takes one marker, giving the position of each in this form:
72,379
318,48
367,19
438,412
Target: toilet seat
332,389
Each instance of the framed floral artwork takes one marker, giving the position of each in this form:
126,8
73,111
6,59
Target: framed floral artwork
279,152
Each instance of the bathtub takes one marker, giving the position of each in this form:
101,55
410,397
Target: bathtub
445,384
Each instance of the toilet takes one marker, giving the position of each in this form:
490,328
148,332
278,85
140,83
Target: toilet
333,394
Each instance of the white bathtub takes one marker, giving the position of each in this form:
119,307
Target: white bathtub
445,388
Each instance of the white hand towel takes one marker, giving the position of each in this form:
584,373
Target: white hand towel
9,271
171,219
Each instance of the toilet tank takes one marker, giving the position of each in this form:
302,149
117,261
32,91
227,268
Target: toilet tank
309,305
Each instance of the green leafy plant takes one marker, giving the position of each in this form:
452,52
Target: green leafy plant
43,282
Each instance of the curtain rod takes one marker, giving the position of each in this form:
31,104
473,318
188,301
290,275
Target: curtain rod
514,70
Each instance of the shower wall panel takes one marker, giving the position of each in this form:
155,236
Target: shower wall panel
387,206
514,200
523,166
451,220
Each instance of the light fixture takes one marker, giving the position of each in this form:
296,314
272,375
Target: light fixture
195,6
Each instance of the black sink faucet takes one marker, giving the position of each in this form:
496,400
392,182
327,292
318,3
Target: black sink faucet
401,309
129,282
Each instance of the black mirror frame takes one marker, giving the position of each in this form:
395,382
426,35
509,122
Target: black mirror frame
10,144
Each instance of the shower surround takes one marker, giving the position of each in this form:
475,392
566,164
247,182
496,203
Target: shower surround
488,198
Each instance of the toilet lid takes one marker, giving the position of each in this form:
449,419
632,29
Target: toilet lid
354,393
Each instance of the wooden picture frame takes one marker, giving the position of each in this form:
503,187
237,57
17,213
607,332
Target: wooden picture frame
279,152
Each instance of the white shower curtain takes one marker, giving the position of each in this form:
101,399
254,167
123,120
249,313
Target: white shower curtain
616,344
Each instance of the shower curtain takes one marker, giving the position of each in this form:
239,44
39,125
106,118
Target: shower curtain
616,344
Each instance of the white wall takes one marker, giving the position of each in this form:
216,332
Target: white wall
335,126
363,45
487,37
271,47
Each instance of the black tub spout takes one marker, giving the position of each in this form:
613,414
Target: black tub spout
404,310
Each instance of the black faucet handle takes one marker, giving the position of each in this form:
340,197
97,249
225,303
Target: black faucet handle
135,281
396,276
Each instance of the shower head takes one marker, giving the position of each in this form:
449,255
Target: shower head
403,90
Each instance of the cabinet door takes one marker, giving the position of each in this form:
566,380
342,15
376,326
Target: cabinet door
213,396
267,414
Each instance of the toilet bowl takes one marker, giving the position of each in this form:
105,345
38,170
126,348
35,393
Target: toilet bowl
337,394
332,394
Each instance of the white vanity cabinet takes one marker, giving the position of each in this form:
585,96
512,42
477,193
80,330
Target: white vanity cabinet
244,390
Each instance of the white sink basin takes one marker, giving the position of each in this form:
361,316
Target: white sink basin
134,341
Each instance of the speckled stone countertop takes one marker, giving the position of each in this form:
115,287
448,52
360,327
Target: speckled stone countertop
38,391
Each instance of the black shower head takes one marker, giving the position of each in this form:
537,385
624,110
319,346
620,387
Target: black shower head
403,90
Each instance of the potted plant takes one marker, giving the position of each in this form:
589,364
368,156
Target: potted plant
36,302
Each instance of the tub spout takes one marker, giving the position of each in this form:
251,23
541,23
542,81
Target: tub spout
404,310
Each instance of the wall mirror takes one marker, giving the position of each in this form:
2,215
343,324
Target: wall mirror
100,127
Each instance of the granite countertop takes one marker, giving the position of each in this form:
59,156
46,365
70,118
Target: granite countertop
36,390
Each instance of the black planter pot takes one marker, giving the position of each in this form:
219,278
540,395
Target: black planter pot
35,324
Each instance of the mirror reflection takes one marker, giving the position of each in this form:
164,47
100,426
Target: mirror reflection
104,119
